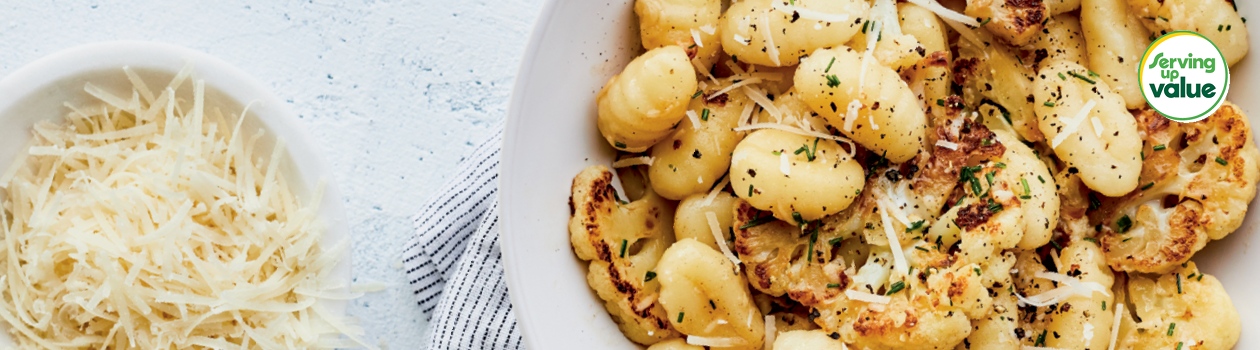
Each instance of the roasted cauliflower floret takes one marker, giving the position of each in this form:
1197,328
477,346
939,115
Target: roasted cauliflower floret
915,313
624,243
786,259
1197,181
1016,21
706,299
1183,308
993,74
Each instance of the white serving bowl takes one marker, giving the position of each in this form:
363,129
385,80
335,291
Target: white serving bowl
551,136
38,91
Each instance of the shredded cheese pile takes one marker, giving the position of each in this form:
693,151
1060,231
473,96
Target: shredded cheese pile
150,221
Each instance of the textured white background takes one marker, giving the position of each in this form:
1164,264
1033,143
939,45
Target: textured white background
395,93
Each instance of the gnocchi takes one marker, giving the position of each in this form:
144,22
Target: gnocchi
1218,20
1088,127
809,174
691,24
874,107
706,300
778,33
798,178
696,156
642,105
1117,40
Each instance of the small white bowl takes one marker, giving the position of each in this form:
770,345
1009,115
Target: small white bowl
551,136
38,91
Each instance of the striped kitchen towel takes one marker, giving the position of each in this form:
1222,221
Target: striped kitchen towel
454,263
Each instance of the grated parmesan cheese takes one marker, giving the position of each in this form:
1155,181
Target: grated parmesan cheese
946,144
632,161
708,29
734,86
715,342
695,119
899,256
767,34
784,164
695,36
771,332
759,97
716,229
1115,326
1071,125
1098,127
708,199
851,114
867,297
172,232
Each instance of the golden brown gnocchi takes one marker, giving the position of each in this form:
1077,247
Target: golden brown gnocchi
1117,40
642,105
1218,20
696,156
1088,127
874,107
707,300
691,24
778,33
798,178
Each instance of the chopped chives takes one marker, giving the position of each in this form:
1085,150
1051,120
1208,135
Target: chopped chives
697,94
896,287
680,316
797,216
1104,305
757,222
833,285
1160,147
623,248
833,61
1148,186
1124,224
977,269
834,241
618,144
915,226
750,190
704,115
1171,327
1082,77
1063,77
813,237
1178,283
833,80
921,248
651,275
1221,161
1048,104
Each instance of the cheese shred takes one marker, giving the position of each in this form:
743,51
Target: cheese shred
172,231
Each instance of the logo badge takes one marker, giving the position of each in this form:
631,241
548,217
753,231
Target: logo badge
1184,76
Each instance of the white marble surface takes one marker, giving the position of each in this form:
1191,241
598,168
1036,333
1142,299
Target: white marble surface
396,92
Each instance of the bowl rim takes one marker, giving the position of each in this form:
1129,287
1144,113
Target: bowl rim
233,83
512,275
